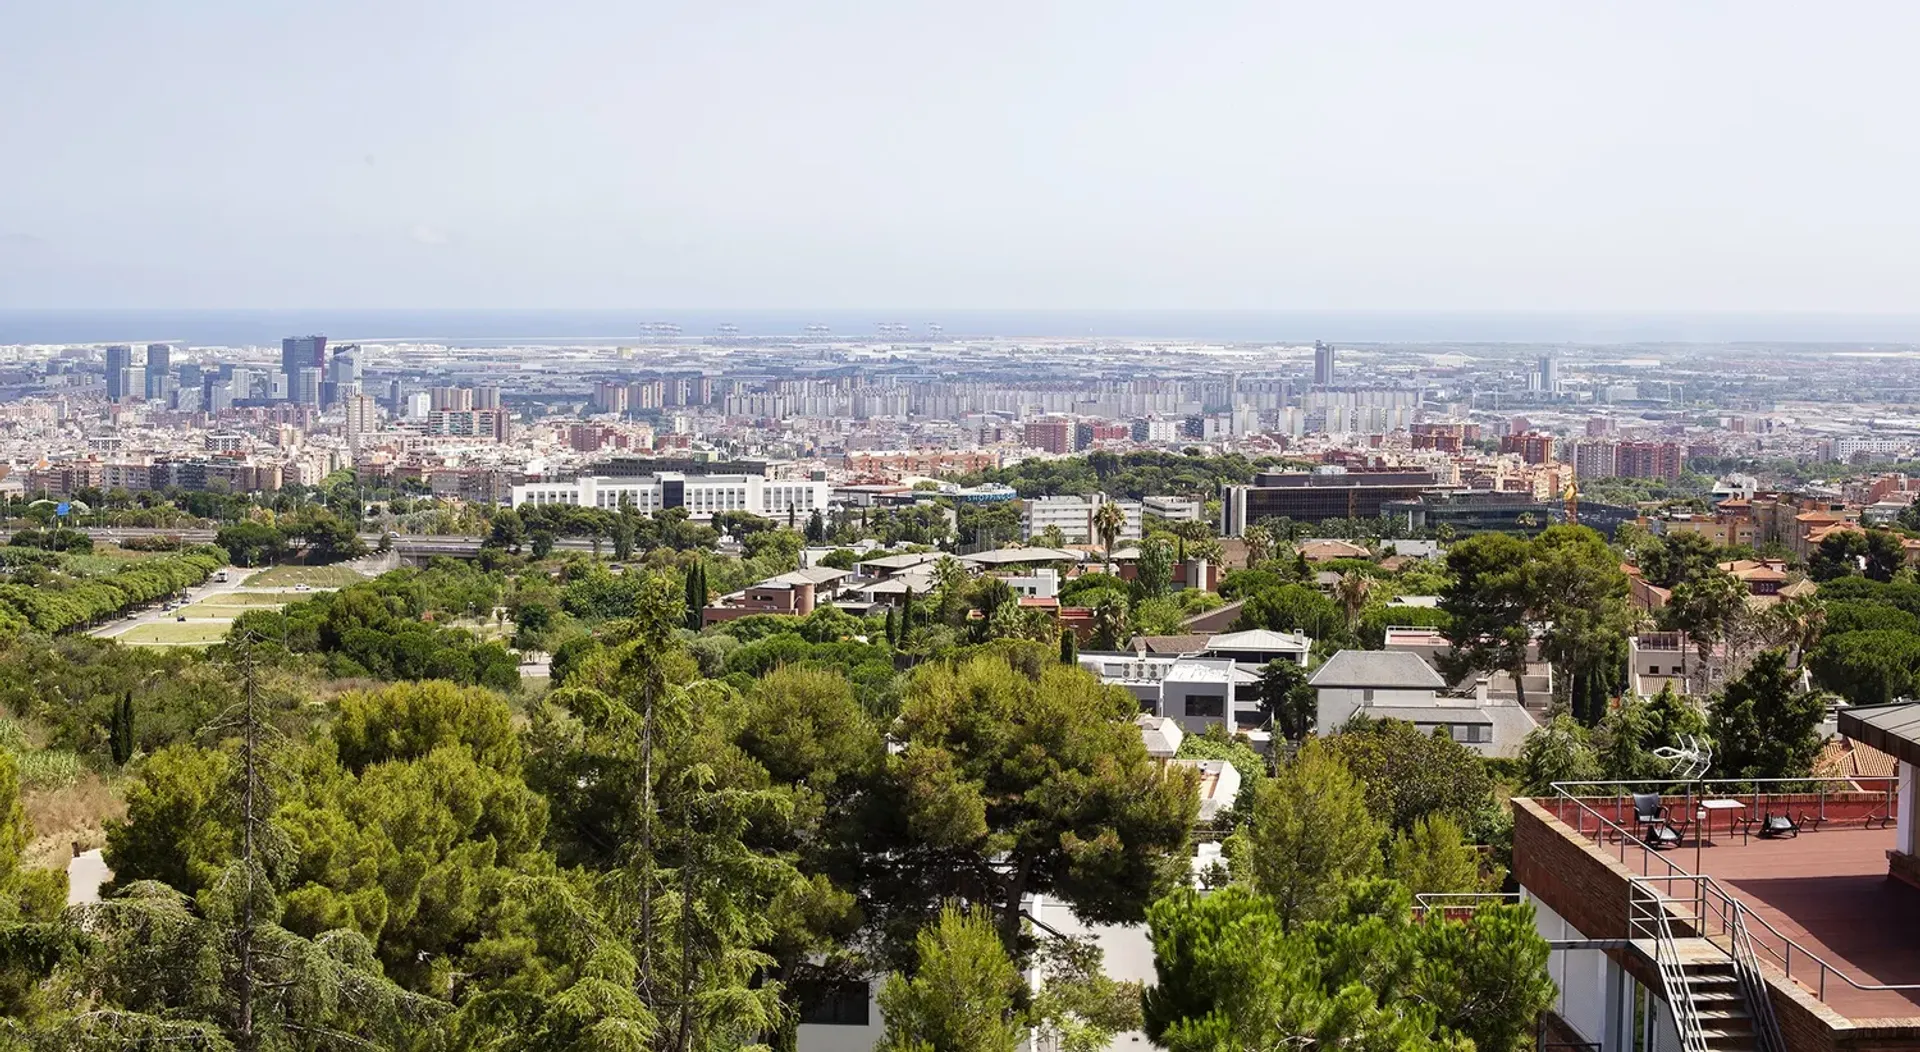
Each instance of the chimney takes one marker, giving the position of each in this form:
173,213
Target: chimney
1483,690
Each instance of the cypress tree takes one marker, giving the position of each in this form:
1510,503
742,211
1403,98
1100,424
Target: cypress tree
696,594
1069,647
120,730
906,614
893,638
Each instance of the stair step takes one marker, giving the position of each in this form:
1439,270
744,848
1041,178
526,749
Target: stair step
1730,1018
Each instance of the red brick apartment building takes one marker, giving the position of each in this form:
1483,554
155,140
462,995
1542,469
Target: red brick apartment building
1714,918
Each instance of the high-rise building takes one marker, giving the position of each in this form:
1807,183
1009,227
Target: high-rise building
343,376
1533,447
1596,459
303,386
451,399
1549,374
301,352
363,415
486,398
1322,364
1052,436
159,368
1649,460
609,397
119,363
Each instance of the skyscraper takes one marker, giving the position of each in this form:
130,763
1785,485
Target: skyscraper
304,386
119,370
1549,374
1322,364
159,368
301,352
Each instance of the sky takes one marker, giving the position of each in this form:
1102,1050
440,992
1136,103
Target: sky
1736,156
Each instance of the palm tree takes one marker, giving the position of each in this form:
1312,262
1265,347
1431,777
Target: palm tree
1351,592
1259,542
1797,621
1108,521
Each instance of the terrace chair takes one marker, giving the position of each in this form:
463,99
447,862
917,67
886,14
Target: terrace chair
1656,823
1776,825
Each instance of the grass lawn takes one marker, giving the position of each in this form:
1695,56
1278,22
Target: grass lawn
221,609
176,634
314,576
250,599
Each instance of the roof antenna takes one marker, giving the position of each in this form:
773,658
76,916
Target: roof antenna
1690,759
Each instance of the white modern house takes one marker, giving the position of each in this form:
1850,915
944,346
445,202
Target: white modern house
1399,685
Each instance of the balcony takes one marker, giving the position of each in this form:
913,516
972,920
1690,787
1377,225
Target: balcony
1830,925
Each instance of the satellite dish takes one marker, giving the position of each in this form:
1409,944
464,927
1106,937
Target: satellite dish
1690,759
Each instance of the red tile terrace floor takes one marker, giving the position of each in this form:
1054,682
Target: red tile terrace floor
1828,891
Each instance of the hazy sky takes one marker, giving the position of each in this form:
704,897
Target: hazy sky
892,153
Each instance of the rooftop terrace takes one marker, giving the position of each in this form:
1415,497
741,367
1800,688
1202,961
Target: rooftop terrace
1834,921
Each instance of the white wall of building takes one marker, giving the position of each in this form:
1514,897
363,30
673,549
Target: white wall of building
704,495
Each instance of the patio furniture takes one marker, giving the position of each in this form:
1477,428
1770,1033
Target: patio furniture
1777,825
1656,822
1736,809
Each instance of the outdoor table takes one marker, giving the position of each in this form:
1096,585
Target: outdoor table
1732,807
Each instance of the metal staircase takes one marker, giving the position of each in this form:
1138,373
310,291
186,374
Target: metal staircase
1715,992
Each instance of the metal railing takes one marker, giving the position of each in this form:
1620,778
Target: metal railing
1753,986
1717,913
1647,919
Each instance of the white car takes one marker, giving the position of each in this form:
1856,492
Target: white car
303,588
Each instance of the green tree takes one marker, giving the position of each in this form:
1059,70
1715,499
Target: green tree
962,996
1487,603
1708,608
1409,775
1108,522
1839,555
251,543
120,735
1764,725
33,941
1871,667
1579,593
1069,647
1557,751
1154,568
1097,824
1434,857
1230,974
1290,703
1676,558
1351,592
1885,555
1311,833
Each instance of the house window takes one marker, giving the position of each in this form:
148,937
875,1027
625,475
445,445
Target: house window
833,1002
1209,705
1367,695
1476,733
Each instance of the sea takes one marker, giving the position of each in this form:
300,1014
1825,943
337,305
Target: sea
480,327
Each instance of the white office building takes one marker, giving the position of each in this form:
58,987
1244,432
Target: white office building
702,495
1074,516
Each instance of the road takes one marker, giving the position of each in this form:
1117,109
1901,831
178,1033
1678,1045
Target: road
463,545
213,588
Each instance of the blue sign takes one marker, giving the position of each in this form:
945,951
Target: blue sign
62,508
